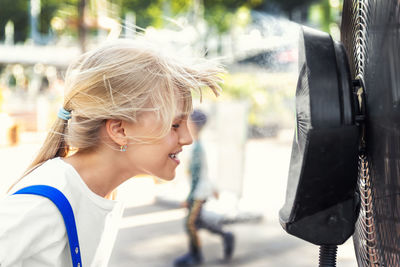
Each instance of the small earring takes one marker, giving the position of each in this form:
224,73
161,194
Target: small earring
123,148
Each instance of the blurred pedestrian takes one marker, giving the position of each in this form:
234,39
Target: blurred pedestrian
124,114
201,190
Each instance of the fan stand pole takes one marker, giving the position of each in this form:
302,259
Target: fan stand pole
327,255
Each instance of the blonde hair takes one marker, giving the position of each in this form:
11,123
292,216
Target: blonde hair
121,80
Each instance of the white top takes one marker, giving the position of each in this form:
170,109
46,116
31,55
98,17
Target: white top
32,230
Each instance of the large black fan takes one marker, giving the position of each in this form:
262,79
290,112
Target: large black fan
321,200
344,117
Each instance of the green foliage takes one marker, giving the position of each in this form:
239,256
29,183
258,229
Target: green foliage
326,15
147,12
17,12
66,13
220,18
230,5
47,12
221,13
290,5
181,6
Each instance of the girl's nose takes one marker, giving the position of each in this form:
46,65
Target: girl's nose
185,137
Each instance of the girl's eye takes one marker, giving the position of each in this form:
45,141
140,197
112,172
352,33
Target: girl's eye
175,126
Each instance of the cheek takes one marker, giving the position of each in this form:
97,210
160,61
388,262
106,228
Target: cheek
150,156
171,141
154,155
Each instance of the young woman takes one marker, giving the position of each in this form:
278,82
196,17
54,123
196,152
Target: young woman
125,113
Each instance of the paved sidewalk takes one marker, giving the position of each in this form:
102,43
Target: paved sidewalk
157,244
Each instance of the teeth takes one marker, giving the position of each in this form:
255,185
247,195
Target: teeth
173,156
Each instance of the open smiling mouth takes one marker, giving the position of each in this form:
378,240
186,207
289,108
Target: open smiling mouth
174,157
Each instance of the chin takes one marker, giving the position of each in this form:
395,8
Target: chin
167,177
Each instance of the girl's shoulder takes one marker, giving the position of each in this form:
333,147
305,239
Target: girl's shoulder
53,172
29,223
27,205
34,216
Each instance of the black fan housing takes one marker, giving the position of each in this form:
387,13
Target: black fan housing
321,200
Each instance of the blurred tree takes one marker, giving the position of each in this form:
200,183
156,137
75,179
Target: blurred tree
48,10
291,5
66,15
221,14
218,13
147,13
82,29
326,15
296,10
17,12
181,6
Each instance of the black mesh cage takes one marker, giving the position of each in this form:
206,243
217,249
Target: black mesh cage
371,35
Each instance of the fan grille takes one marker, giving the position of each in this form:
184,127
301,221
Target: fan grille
371,35
365,235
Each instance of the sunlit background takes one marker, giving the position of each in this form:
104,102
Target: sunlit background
248,137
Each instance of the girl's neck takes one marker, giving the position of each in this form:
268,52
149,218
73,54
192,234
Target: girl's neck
100,172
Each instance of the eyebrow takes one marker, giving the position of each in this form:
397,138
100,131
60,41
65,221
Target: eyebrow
180,116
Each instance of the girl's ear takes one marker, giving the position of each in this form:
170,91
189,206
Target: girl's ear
116,131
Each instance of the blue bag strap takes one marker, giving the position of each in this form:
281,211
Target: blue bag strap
65,208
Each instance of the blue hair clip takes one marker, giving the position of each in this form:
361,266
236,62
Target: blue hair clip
64,114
